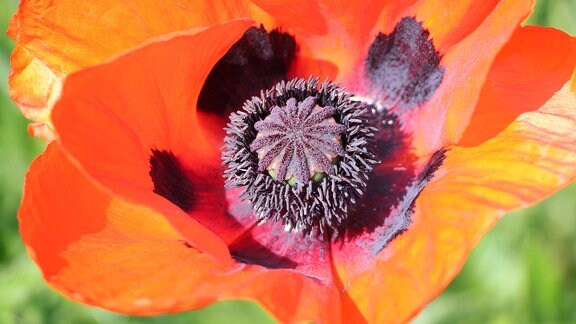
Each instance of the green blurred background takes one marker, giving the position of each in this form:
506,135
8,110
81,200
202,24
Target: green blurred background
523,271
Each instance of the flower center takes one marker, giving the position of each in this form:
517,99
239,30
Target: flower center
302,153
298,142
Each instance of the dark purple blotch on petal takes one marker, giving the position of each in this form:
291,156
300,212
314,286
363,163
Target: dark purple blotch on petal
401,217
403,67
270,245
173,182
387,207
170,180
257,61
390,179
247,249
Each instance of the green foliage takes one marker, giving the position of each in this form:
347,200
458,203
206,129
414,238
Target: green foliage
522,271
555,13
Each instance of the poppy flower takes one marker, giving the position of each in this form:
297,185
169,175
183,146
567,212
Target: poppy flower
333,161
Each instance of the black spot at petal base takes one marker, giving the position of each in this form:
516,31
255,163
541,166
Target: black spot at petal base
387,208
403,67
247,250
257,61
170,180
402,216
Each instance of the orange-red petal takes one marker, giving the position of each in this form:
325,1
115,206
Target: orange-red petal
449,27
99,249
446,27
43,130
110,118
334,31
56,38
68,35
444,118
47,236
33,86
532,158
530,68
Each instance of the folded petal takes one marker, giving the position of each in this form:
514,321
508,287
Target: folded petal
131,121
46,236
56,38
444,118
43,130
533,66
33,86
328,30
68,35
99,249
451,26
270,245
446,27
531,159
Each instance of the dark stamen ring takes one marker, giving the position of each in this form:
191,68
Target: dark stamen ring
303,154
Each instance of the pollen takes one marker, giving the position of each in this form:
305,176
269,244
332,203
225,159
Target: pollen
298,141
